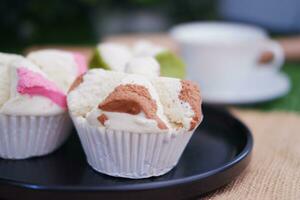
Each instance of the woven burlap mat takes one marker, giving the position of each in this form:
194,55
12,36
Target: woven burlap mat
274,171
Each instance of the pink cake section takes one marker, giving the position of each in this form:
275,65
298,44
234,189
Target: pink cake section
34,84
81,63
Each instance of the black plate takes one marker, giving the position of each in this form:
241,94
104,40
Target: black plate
217,153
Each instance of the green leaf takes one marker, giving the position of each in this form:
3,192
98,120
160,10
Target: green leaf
170,65
97,61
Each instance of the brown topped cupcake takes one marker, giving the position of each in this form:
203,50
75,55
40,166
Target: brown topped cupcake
131,126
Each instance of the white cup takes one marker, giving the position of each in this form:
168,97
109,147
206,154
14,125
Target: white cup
221,56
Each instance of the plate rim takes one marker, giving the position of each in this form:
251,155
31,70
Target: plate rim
245,152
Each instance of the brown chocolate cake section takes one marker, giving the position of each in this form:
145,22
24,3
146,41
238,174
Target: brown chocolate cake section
102,119
190,93
132,99
76,83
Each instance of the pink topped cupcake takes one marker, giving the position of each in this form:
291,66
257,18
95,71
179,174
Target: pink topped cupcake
33,110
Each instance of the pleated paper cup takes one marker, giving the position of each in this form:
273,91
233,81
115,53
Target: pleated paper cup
28,136
130,154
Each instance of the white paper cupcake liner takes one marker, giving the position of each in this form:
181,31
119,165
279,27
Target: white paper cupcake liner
27,136
128,154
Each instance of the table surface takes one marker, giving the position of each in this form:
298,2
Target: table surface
274,170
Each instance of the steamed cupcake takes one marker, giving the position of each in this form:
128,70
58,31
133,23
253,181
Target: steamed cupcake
33,111
130,126
159,60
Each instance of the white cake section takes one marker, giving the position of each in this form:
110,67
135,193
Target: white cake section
97,85
114,55
5,60
146,48
146,66
60,66
177,111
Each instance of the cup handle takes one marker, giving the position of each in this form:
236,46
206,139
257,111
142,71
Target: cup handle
272,57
